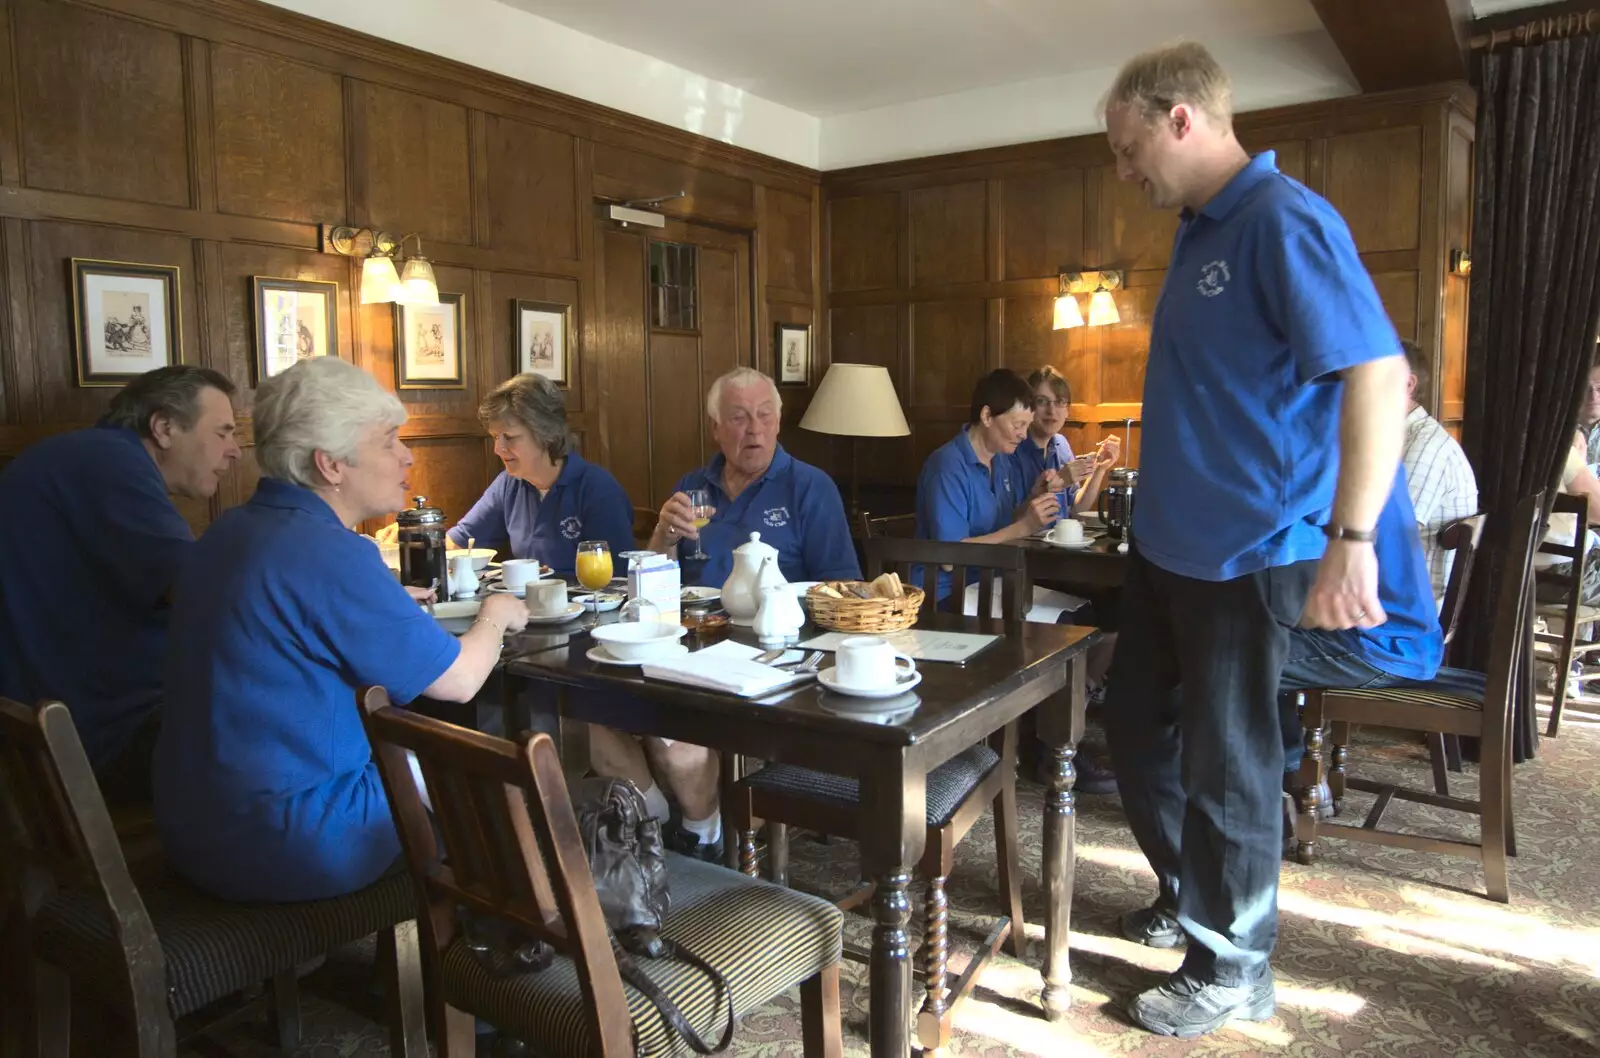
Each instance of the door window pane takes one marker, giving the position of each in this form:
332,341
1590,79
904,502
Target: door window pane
674,269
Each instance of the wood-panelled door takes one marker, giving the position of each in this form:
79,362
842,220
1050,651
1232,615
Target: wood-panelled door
675,311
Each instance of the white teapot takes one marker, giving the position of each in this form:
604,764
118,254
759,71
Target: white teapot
741,595
780,617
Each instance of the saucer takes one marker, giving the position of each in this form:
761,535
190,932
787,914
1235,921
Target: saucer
830,682
693,595
501,589
1078,546
573,610
601,656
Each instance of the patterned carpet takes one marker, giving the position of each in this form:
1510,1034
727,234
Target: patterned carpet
1381,952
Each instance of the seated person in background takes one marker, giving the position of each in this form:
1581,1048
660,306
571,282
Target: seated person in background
757,487
1576,480
90,547
548,497
265,786
1044,448
971,488
1589,418
1438,476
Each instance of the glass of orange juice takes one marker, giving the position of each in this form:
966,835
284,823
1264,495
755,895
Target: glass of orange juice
594,565
700,510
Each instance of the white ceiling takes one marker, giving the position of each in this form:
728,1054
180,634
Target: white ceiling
828,57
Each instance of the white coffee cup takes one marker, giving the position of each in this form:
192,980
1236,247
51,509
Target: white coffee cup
546,597
868,663
515,573
1067,531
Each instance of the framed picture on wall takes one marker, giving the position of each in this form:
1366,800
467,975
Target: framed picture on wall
124,320
429,343
296,319
544,339
794,354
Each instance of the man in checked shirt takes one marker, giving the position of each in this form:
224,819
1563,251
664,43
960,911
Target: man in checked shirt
1438,476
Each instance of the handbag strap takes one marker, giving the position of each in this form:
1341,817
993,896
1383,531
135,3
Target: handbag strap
636,977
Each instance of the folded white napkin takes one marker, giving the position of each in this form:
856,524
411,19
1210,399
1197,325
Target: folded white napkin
724,667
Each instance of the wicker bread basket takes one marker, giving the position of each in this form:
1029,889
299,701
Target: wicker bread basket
852,614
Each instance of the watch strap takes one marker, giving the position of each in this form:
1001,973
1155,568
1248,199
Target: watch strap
1339,532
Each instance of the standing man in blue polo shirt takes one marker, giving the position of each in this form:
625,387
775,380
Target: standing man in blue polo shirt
757,487
90,547
1274,410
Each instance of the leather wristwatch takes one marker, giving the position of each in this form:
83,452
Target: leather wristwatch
1339,532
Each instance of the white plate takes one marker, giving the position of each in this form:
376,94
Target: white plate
870,712
698,595
501,589
601,656
615,600
828,681
1079,546
573,610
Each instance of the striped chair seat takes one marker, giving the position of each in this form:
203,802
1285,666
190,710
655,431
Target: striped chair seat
948,784
213,948
1451,688
763,938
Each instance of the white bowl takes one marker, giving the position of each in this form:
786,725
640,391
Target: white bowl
481,556
639,642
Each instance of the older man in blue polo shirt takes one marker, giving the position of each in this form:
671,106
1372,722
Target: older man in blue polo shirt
1274,411
757,487
90,547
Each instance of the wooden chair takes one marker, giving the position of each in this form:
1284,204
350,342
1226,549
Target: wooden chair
1450,704
900,526
644,524
1570,611
164,956
958,792
1462,538
512,852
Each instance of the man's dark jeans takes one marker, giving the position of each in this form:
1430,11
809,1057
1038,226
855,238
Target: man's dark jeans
1319,659
1196,736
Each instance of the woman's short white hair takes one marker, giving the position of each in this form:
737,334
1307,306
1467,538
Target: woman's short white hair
739,378
323,403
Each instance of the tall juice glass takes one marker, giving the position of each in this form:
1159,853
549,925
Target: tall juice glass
700,510
593,565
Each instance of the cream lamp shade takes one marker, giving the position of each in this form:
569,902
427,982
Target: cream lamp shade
1103,309
1067,313
379,281
856,400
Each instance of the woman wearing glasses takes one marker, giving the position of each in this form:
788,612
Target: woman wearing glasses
1046,449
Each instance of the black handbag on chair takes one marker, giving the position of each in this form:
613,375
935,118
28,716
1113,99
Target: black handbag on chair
629,866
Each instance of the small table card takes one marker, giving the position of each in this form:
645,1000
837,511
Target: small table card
922,644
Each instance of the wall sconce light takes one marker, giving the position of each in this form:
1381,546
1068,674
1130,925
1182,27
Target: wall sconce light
380,283
1102,306
1460,263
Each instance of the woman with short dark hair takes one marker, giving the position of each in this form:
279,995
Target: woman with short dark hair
548,498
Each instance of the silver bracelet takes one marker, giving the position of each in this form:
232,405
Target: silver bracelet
486,621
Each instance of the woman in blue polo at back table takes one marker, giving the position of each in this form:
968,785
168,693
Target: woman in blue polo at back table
1044,448
973,489
549,497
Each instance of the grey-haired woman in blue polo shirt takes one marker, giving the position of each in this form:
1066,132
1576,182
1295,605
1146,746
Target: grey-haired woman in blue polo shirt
548,497
265,787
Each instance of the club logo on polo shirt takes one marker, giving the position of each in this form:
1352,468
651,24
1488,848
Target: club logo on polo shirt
572,528
1213,279
775,517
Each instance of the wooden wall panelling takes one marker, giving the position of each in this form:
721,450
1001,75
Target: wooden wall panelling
787,244
448,472
724,319
531,204
50,250
241,262
1131,233
1042,222
416,164
1375,182
863,242
677,421
1399,293
197,107
618,351
623,175
279,131
102,104
507,287
948,354
947,228
10,132
18,381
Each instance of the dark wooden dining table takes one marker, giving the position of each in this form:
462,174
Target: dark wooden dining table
954,707
1100,565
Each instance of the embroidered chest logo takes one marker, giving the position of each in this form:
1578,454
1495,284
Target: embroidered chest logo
1214,278
775,517
572,528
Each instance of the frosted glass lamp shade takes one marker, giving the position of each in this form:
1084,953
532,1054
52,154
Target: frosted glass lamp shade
379,281
1067,313
1103,309
420,286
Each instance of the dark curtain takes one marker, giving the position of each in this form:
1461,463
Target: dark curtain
1535,298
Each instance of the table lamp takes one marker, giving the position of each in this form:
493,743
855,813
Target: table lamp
856,400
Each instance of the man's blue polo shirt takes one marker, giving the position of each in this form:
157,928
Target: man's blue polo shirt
1264,302
958,497
90,546
794,506
265,786
585,503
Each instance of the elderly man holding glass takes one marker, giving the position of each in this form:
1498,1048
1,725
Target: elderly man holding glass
548,498
265,786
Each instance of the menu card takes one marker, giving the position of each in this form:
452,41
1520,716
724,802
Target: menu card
920,643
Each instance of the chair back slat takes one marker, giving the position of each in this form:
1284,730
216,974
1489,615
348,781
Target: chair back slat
982,564
511,846
1513,616
1461,538
900,526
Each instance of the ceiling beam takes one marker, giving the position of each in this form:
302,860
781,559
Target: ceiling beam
1399,43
